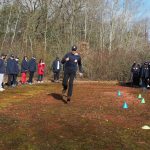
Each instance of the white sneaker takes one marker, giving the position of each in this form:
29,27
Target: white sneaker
1,89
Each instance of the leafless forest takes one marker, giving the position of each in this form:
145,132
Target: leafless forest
110,34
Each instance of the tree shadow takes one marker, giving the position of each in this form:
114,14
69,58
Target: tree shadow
58,97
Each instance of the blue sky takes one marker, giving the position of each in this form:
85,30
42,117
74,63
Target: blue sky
145,9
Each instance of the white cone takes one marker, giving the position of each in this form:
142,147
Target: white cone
146,127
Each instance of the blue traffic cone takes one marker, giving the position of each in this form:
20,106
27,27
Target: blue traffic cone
143,101
125,105
140,96
119,93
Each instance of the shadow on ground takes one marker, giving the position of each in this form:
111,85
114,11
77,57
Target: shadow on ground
128,84
58,97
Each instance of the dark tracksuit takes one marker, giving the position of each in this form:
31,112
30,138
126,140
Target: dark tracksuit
136,75
70,69
56,71
16,72
24,66
2,71
144,75
32,69
10,70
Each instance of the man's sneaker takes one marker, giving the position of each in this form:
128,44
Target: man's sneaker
1,89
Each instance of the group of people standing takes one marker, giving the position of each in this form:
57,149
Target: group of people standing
11,68
140,74
70,62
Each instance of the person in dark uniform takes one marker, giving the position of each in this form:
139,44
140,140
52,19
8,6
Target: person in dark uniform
135,70
145,74
71,60
17,70
2,71
56,67
10,70
32,69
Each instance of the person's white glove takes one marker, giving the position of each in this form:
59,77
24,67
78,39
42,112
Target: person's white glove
67,59
81,74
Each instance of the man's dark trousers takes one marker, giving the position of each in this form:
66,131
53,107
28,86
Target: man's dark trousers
56,75
31,74
68,75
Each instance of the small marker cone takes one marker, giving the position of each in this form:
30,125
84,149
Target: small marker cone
119,93
143,101
125,105
140,96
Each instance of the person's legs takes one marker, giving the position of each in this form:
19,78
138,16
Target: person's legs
42,78
1,81
9,79
14,78
58,75
55,76
65,81
72,76
39,78
31,74
23,77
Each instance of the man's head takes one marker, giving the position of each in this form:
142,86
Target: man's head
2,56
74,49
34,57
12,56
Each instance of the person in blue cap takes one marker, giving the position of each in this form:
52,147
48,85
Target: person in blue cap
70,61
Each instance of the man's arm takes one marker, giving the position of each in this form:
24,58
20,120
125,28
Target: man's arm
80,65
65,58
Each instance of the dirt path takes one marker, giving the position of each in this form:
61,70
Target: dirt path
35,118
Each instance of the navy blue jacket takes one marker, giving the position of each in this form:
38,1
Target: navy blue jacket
136,71
2,66
74,61
10,68
145,72
16,67
32,65
24,66
54,65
